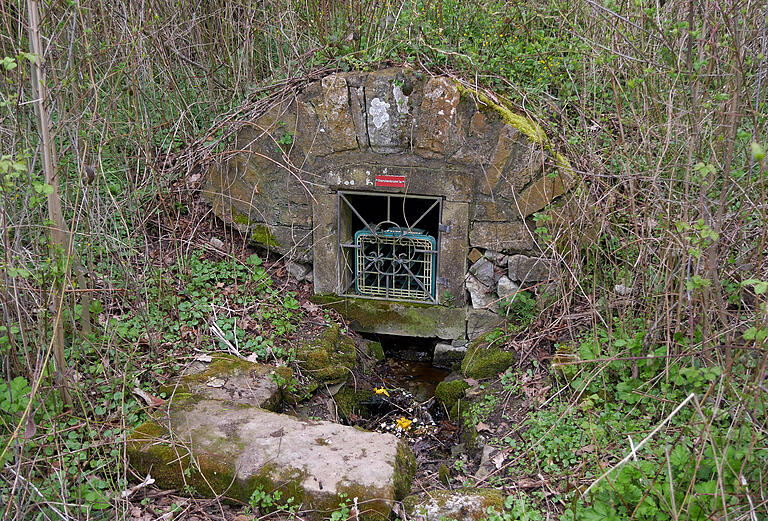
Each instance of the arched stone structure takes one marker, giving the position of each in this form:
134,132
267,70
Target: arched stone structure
394,147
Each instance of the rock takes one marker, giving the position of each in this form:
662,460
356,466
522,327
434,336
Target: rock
237,449
469,504
485,359
330,358
230,378
298,270
438,114
387,111
448,393
500,236
446,355
487,463
496,257
481,321
505,288
544,190
474,255
523,269
216,243
483,270
335,115
479,293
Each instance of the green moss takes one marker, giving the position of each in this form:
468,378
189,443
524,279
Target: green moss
330,358
376,350
484,359
413,319
405,470
350,401
522,123
449,394
240,218
260,234
444,475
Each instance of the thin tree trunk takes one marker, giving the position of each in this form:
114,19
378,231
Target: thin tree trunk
58,231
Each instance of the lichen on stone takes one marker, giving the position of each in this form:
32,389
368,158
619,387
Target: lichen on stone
469,504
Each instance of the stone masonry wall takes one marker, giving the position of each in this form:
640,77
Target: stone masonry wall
493,168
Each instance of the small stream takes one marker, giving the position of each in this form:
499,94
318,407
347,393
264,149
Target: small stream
409,365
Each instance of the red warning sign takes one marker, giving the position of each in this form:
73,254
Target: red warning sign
391,181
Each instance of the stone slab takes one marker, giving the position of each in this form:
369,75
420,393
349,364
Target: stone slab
446,355
397,318
500,236
324,243
481,321
230,449
453,253
230,378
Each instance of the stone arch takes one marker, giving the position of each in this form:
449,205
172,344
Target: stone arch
394,131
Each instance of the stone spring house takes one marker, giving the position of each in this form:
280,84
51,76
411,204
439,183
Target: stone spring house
407,200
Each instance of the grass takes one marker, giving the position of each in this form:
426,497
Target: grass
660,110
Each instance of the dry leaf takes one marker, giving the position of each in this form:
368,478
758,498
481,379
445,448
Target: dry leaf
152,401
482,427
498,460
30,429
333,389
310,307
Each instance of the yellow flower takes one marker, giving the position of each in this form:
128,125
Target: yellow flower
404,423
381,390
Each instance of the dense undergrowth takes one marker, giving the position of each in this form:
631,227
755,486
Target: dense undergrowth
658,325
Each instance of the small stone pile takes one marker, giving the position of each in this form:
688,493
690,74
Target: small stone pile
495,277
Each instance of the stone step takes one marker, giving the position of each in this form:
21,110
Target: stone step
221,448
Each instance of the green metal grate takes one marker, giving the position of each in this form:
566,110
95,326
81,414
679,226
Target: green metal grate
395,264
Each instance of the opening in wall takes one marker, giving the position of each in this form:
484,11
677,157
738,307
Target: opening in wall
388,246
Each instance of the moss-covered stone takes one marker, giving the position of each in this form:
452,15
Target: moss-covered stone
387,317
449,394
485,359
470,504
260,234
330,358
405,470
350,402
444,475
376,350
222,449
228,377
